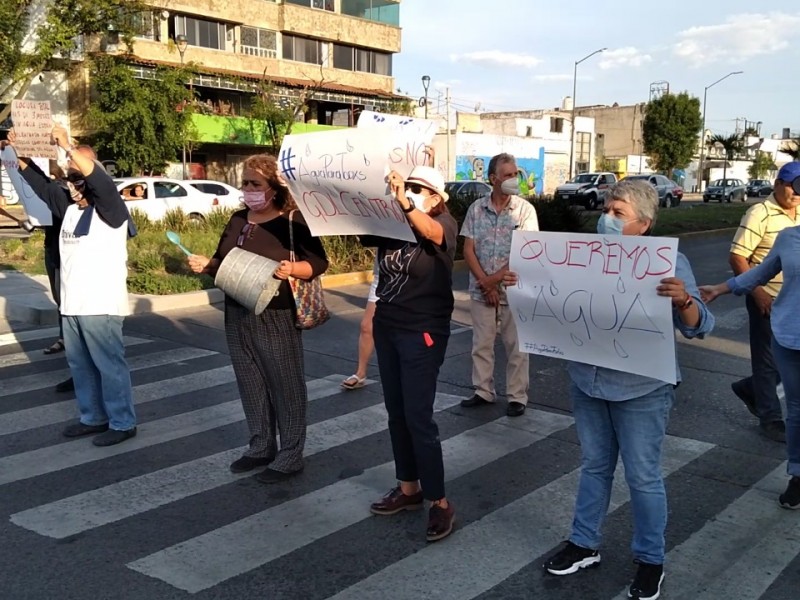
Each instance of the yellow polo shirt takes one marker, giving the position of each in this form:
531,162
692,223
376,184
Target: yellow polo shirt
757,231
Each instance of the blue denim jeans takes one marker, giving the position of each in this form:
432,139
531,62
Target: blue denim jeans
788,362
634,429
96,357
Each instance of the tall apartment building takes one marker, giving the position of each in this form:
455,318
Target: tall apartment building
343,47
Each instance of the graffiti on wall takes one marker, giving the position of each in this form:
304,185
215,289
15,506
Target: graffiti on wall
474,151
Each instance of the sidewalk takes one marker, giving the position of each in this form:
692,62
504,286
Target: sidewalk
26,299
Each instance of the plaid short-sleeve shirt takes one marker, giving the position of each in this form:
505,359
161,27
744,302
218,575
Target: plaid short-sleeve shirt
491,234
757,231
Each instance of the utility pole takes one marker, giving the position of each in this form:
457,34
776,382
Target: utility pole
447,104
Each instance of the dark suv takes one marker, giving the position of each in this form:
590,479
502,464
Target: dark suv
587,189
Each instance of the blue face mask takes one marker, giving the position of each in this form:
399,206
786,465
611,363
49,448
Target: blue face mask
608,225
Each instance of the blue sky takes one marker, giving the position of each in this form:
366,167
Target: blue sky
519,54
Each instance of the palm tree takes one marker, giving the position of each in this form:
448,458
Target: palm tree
732,145
792,148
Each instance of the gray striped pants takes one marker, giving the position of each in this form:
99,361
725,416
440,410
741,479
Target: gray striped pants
267,357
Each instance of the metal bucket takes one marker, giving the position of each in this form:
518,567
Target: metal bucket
248,279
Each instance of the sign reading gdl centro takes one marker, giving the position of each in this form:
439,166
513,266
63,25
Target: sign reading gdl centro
592,299
338,179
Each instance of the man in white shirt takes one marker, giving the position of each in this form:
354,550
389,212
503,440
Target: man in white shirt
94,295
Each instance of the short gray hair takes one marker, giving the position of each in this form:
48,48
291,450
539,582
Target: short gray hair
640,195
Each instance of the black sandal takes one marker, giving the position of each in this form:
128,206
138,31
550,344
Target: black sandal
55,348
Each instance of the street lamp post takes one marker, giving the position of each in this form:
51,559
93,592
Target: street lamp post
574,105
700,165
426,81
181,42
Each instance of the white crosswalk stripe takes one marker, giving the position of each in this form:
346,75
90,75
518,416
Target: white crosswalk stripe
736,551
37,356
40,381
18,337
293,524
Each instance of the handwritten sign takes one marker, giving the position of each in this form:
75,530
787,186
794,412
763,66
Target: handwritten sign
423,129
592,299
38,212
338,179
33,123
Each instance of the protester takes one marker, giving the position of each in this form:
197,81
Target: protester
783,257
411,330
618,413
487,230
753,240
21,223
94,296
267,349
366,345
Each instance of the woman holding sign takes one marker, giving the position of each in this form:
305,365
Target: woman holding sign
266,349
411,329
623,414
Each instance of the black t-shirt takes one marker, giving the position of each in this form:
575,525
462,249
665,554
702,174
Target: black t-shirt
271,239
415,285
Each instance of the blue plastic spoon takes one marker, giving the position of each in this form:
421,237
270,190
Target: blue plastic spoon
176,239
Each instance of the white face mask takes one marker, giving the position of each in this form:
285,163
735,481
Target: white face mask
418,200
510,187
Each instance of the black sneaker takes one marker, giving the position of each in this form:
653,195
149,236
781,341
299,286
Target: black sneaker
647,583
570,559
744,391
774,430
791,497
476,400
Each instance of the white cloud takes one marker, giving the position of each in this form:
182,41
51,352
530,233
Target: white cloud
623,57
740,37
498,58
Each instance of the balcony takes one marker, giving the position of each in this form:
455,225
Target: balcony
216,129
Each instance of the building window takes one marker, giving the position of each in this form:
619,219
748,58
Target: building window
145,24
528,131
382,11
321,4
556,125
199,32
360,59
259,42
305,50
583,146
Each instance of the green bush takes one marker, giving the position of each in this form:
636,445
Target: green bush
176,220
141,220
217,219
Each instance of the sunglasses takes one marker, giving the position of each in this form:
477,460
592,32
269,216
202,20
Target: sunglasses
416,188
247,233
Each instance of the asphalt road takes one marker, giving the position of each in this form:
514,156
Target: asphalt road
160,516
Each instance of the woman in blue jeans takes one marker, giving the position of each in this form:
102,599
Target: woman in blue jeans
622,414
784,256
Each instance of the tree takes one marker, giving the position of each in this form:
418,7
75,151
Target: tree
31,41
669,129
276,114
732,146
762,165
792,148
142,123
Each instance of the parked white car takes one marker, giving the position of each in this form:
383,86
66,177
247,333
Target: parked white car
155,196
227,195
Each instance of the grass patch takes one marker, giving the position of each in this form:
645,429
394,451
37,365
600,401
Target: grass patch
701,217
156,266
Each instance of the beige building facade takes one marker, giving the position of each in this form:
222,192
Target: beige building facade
341,49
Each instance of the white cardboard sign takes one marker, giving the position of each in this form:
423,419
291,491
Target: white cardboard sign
424,129
338,179
38,212
592,299
33,123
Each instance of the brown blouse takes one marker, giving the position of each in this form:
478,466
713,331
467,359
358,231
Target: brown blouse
271,240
